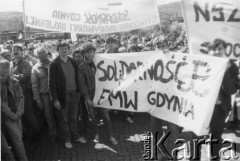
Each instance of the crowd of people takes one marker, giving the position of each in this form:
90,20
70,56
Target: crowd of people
57,79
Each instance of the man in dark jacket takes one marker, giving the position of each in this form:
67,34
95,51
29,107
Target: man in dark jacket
223,103
63,78
21,70
87,88
12,108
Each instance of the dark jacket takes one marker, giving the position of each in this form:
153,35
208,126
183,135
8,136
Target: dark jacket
229,87
56,80
16,91
86,77
22,72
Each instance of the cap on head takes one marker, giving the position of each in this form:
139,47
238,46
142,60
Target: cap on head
216,42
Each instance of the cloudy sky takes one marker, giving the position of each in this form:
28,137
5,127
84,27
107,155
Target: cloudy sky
16,5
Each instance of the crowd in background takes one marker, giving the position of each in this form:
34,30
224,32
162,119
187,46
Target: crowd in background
37,89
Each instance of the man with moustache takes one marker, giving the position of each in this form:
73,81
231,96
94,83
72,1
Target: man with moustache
21,70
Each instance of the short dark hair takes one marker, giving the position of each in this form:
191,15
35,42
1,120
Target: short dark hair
87,47
111,40
216,42
63,44
78,50
158,41
132,47
134,38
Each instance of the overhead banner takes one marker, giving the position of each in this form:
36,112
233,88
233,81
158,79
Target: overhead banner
91,16
209,19
179,88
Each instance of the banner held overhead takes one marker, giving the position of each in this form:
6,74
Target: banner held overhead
209,19
92,16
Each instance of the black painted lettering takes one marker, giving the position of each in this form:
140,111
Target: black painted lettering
151,100
232,17
235,50
102,95
198,10
204,50
195,76
105,73
220,11
160,95
115,75
177,104
229,49
128,103
180,83
169,101
118,95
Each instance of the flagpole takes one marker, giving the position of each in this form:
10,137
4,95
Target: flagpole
24,20
159,17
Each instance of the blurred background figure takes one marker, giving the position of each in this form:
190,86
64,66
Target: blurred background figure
6,54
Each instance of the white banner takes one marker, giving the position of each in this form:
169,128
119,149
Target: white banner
91,16
178,88
209,19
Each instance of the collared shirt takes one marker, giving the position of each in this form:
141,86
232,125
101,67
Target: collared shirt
39,78
68,70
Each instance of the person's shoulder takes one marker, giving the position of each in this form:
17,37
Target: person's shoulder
233,65
70,58
55,60
82,67
36,66
25,63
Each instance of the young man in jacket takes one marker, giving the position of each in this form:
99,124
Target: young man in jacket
63,78
87,88
223,104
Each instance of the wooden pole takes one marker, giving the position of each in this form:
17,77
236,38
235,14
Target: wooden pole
24,20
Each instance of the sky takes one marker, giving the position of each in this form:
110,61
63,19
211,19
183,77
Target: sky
16,5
